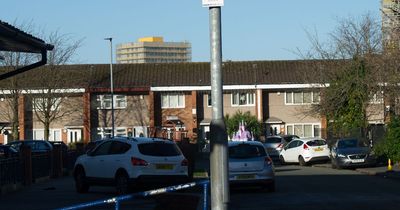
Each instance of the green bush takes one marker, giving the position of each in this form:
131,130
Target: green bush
390,146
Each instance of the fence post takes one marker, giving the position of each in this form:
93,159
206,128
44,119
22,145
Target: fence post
26,157
57,162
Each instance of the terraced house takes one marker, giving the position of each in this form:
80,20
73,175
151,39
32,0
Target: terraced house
167,100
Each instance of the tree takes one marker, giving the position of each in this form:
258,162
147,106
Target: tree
349,68
47,99
12,61
49,102
251,123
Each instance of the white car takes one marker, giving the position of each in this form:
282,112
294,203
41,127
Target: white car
249,163
305,151
124,162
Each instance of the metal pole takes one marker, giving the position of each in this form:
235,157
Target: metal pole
219,140
112,88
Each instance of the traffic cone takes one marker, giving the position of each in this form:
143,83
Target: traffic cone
389,168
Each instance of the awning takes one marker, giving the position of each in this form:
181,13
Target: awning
274,120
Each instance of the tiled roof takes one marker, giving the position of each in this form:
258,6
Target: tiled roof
171,74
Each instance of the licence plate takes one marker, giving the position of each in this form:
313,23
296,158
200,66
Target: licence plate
246,176
357,161
318,149
164,166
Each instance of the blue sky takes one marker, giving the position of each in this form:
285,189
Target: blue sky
251,29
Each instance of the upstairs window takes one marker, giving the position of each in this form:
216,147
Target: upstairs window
302,97
105,101
243,99
173,100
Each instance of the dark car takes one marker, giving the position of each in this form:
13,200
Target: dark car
91,145
7,151
350,153
37,146
64,147
289,137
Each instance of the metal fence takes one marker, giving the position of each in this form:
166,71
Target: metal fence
10,171
117,200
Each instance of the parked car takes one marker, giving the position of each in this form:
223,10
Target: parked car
249,163
7,151
274,145
349,152
64,147
124,162
289,137
91,145
37,146
305,151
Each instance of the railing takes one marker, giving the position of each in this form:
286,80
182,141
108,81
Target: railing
117,200
10,171
41,165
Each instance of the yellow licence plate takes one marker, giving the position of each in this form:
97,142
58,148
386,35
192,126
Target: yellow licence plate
318,149
164,166
246,176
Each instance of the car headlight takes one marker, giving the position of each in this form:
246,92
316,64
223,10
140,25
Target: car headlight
341,155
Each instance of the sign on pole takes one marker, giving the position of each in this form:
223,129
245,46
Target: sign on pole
213,3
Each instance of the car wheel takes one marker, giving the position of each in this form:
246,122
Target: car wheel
81,184
302,162
282,160
122,183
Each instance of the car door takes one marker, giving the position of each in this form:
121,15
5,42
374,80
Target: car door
116,159
289,153
94,164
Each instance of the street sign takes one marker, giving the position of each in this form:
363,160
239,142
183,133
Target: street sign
213,3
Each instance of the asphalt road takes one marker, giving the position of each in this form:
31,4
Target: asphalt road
297,188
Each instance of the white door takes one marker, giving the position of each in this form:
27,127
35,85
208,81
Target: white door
74,135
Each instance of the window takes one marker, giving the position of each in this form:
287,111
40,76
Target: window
173,100
304,130
209,102
304,97
41,104
159,149
107,132
243,99
376,98
106,101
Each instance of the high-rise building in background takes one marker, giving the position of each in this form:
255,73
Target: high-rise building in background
390,21
154,50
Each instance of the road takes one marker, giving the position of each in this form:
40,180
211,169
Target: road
297,188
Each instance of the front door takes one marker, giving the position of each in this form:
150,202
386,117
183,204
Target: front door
74,135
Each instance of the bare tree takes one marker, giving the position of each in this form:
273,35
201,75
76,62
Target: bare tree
350,68
50,99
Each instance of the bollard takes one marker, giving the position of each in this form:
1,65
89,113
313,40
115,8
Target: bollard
389,168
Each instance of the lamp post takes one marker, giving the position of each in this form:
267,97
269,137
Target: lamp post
112,88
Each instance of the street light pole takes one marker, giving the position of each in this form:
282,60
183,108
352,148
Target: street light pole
112,88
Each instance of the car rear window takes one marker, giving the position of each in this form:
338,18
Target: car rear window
159,149
272,140
315,143
246,151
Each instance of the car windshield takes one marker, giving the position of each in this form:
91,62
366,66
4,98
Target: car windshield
272,140
348,143
246,151
159,149
315,143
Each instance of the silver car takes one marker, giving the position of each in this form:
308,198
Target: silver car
249,163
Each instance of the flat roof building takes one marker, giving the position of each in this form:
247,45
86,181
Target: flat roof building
154,50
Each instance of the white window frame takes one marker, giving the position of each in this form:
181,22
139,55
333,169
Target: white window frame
52,136
37,104
314,126
290,97
209,100
250,99
168,100
376,98
120,101
107,131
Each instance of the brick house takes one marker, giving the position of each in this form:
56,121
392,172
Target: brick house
173,100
